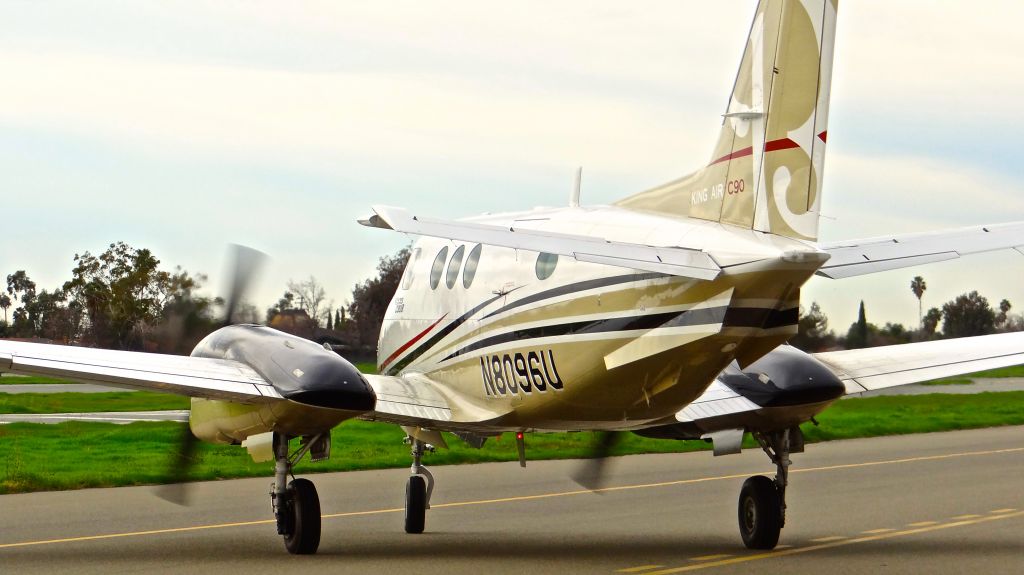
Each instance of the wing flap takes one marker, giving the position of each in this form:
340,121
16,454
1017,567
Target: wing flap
889,366
405,402
717,400
182,375
675,261
871,255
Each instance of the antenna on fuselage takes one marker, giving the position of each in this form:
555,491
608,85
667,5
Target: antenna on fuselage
574,195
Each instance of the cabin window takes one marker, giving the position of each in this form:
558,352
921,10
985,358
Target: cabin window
438,268
410,268
470,272
453,267
546,265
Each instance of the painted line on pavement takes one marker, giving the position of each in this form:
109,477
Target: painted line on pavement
538,497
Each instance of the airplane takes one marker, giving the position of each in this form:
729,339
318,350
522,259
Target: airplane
664,314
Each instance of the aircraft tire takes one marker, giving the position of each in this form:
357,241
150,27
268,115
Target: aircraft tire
760,513
415,505
305,508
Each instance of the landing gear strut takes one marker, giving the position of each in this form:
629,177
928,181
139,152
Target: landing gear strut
296,504
419,488
762,504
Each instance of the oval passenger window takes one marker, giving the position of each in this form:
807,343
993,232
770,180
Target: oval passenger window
438,268
470,272
453,267
410,269
546,265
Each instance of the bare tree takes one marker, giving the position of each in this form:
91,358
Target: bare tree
310,297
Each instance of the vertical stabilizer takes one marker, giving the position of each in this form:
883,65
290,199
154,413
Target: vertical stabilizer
766,170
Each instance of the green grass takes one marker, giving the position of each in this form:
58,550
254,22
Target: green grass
1014,371
74,455
950,381
8,379
90,402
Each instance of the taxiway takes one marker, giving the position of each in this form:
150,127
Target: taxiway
936,503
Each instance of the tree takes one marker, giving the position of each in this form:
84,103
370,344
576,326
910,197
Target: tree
284,304
370,299
122,292
917,285
967,315
310,297
931,322
21,288
857,336
5,303
812,330
1004,311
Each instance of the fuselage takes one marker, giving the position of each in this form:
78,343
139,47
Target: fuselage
517,339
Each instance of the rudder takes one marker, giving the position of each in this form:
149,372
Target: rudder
766,169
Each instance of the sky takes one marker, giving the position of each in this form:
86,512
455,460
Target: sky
184,126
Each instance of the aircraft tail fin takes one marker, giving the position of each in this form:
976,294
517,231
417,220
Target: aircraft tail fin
766,170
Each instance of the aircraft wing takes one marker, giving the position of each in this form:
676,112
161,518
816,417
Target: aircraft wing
398,400
878,368
866,256
892,365
182,375
675,261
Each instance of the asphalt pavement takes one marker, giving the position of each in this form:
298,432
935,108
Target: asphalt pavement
930,503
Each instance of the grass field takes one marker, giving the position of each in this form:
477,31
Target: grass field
1014,371
90,402
75,455
8,379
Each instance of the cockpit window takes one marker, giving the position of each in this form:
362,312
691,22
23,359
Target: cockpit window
410,268
546,265
438,268
470,272
453,267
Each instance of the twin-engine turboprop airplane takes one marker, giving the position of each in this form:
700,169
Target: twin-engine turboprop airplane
666,314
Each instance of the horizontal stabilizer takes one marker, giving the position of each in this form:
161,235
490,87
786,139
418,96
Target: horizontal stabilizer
668,260
871,255
892,365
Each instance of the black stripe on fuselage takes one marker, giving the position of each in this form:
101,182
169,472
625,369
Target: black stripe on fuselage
703,316
760,317
577,287
547,294
416,353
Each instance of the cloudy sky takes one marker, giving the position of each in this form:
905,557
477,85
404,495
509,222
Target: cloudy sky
184,126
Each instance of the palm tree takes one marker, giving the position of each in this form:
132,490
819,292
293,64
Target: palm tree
5,302
918,286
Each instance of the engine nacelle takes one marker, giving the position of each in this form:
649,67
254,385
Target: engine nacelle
788,385
322,387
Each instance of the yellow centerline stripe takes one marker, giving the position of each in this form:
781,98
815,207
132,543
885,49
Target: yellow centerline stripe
521,498
639,569
794,551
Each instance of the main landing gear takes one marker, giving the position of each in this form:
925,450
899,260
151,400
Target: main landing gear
296,503
762,504
419,488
